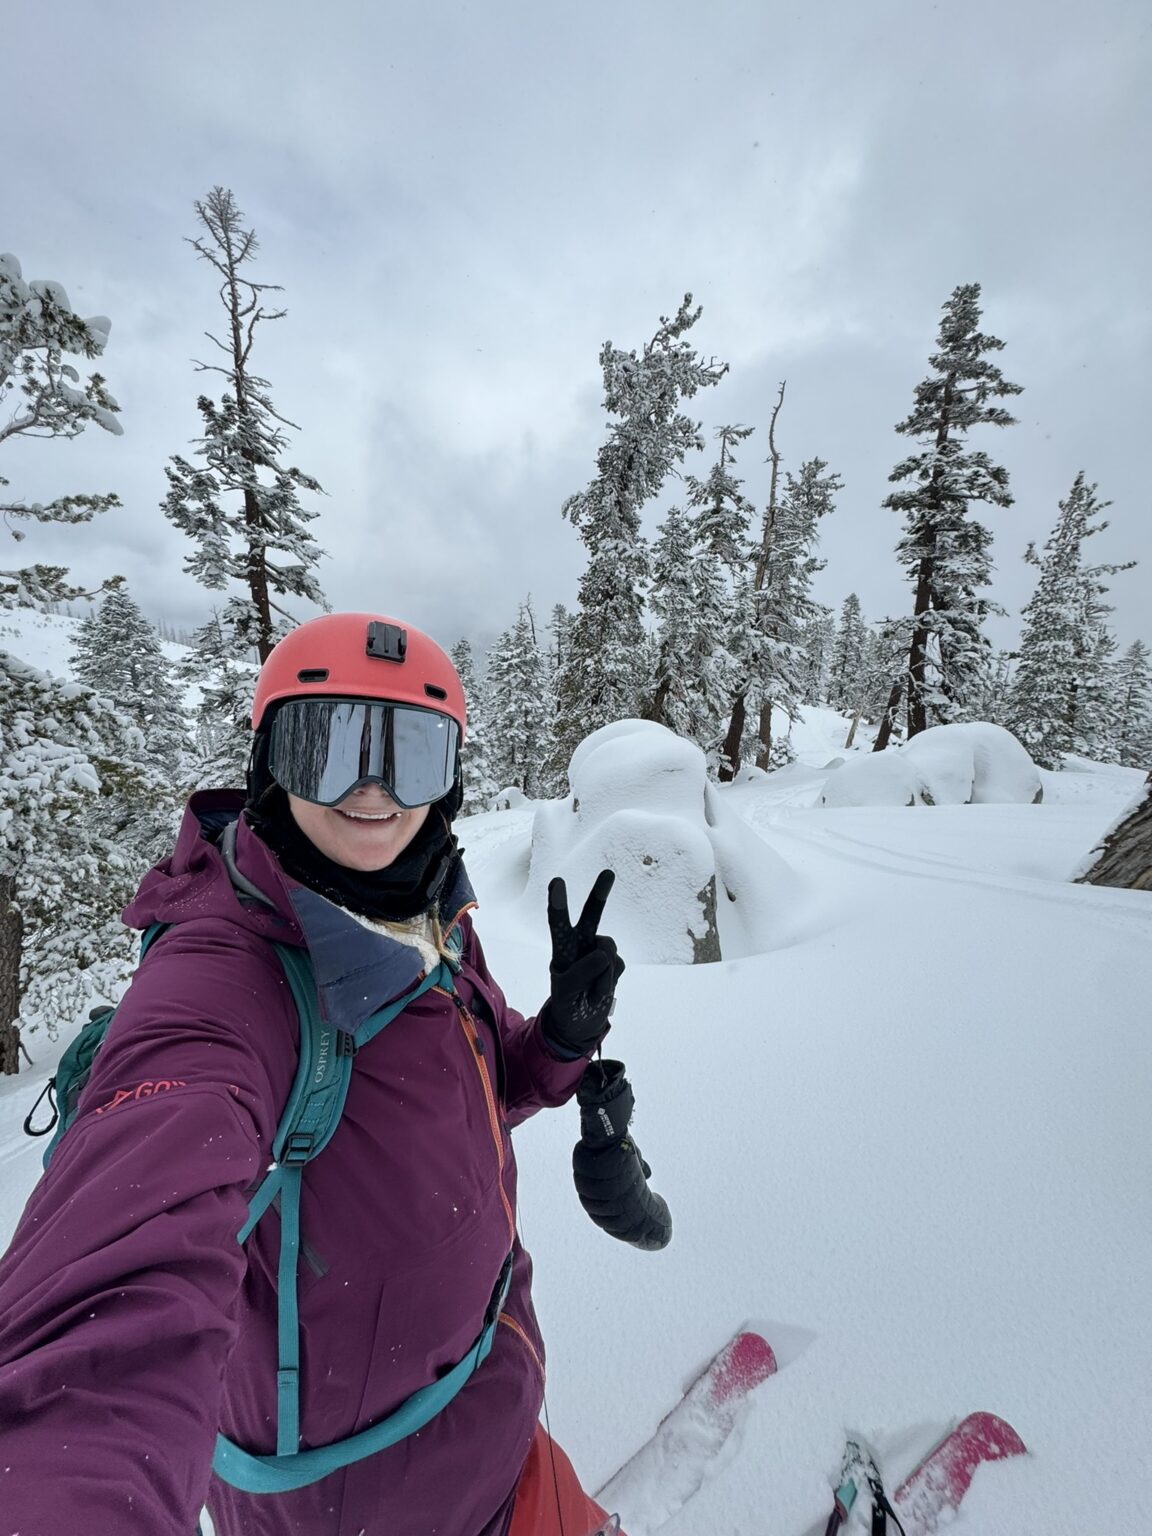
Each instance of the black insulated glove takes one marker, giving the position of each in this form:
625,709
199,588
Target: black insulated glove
611,1176
584,968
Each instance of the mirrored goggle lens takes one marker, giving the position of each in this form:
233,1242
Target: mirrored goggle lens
322,749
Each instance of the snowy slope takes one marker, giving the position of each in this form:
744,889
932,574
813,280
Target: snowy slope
912,1144
46,640
919,1134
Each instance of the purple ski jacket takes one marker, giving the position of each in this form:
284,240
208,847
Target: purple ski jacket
133,1325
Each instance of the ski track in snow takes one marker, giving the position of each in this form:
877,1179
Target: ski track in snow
918,1134
1122,909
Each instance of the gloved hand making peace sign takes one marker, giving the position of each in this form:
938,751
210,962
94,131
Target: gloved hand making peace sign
585,969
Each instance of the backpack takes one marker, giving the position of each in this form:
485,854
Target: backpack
307,1124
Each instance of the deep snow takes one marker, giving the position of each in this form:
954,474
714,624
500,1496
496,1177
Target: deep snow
911,1142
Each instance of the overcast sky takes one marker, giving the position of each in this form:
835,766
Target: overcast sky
463,202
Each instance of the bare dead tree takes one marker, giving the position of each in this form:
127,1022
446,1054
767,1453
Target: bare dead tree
730,752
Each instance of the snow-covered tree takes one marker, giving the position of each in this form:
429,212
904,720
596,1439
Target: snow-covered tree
59,886
770,663
1133,705
47,398
479,783
519,707
786,605
240,506
944,550
991,700
700,638
817,644
885,669
1062,696
221,685
68,863
560,629
605,671
846,670
693,603
722,512
117,654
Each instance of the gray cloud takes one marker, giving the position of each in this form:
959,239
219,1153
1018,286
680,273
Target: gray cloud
463,203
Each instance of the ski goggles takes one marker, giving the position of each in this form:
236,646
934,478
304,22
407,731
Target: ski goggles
322,749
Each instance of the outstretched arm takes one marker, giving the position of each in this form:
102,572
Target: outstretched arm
118,1295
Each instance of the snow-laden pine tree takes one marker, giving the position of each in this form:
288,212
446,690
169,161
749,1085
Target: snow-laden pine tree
1099,715
991,702
885,669
553,776
560,631
722,512
846,670
60,890
240,506
698,644
117,654
1133,706
817,641
606,669
47,398
219,685
68,770
1060,700
944,550
693,605
771,666
479,783
519,707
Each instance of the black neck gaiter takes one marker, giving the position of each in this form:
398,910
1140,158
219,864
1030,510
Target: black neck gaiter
411,884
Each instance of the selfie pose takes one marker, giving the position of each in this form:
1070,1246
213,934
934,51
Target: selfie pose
273,1265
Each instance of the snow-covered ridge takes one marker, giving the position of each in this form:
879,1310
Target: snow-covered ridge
46,640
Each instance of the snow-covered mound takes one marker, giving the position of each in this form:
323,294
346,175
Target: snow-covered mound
692,883
974,763
881,778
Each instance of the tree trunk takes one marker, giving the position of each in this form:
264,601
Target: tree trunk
1126,856
768,536
888,719
654,710
918,650
11,943
730,751
765,753
851,737
925,582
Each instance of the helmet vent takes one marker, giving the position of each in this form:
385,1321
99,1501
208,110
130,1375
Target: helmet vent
313,675
435,692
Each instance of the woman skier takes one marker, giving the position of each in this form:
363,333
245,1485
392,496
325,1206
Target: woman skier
150,1363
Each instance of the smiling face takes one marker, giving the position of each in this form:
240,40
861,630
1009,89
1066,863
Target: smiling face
367,831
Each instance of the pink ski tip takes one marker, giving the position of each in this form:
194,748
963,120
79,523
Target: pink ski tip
744,1362
945,1475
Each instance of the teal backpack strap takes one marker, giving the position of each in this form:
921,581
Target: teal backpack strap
309,1121
284,1472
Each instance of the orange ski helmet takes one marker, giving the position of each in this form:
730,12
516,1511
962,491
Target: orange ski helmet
360,656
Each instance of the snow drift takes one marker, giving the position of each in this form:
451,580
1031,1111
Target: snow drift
975,763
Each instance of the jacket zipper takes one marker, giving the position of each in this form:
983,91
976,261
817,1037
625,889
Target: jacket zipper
476,1047
510,1322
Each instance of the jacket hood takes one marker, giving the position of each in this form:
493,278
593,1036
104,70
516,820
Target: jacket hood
215,872
194,881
